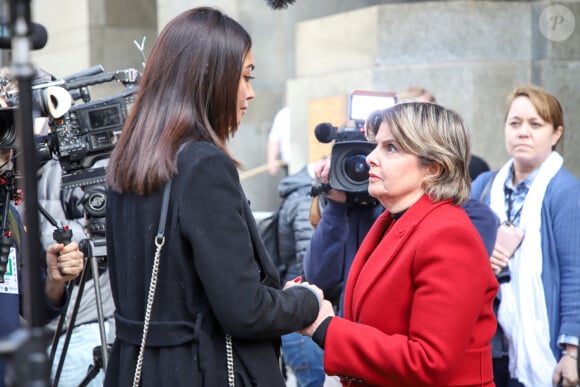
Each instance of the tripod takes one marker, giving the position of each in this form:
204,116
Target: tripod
94,249
96,367
89,248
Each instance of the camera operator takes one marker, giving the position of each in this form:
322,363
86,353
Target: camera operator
63,263
340,231
66,206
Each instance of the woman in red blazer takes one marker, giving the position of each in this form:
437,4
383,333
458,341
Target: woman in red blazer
418,299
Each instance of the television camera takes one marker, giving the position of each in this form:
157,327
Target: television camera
79,136
349,171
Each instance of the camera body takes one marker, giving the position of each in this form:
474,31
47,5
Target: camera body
349,171
79,134
88,132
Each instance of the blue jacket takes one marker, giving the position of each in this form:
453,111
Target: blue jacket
294,227
342,228
560,225
10,304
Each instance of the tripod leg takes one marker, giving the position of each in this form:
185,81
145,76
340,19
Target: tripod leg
56,336
69,329
100,313
93,371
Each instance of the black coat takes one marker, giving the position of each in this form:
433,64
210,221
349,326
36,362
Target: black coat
214,273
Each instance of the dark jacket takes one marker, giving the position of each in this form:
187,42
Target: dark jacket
214,278
294,227
11,304
334,244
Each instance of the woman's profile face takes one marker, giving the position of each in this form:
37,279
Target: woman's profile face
395,176
528,138
245,89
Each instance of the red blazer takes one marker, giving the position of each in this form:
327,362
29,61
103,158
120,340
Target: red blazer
418,304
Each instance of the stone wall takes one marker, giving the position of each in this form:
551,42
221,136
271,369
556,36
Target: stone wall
470,54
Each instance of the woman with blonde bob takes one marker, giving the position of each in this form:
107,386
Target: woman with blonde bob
418,299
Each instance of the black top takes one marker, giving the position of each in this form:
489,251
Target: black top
213,273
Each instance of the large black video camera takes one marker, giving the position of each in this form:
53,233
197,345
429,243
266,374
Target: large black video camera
349,171
79,134
85,134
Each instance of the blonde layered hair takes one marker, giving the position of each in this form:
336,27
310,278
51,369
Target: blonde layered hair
436,135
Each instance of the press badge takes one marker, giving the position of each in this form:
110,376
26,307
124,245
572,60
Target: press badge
10,285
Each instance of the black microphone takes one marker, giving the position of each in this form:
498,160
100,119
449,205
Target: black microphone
279,4
38,36
84,73
325,132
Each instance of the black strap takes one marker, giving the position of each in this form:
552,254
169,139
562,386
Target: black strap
161,333
164,206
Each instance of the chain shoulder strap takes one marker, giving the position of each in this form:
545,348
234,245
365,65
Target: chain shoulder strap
230,361
159,242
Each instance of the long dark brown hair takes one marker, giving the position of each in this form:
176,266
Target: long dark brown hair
188,92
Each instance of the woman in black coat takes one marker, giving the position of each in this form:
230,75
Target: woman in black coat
215,278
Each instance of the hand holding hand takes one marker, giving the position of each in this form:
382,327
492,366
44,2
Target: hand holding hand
326,310
294,282
313,288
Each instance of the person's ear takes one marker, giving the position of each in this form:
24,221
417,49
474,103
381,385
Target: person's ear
557,135
434,170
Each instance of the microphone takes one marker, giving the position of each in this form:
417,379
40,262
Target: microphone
38,36
325,132
279,4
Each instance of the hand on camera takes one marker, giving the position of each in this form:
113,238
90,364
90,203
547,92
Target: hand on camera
322,173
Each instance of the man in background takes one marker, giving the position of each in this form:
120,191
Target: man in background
279,143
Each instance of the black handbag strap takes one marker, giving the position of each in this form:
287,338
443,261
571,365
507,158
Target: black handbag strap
159,242
164,206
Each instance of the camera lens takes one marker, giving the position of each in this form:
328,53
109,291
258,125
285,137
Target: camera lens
356,168
7,130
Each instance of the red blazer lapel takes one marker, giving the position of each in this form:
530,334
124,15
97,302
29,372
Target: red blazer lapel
368,245
378,251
